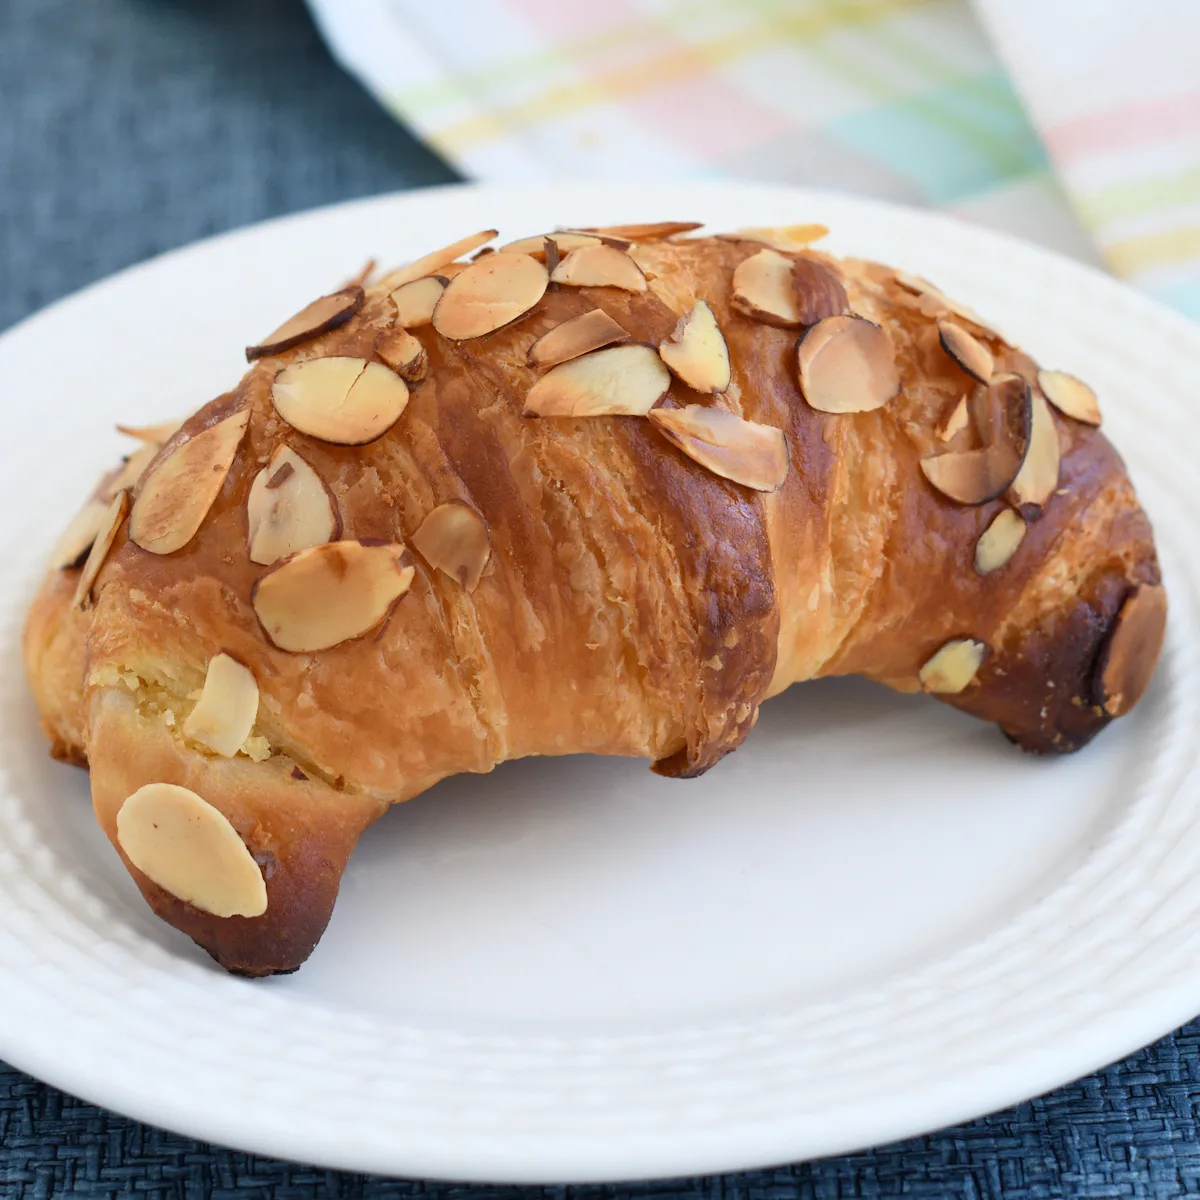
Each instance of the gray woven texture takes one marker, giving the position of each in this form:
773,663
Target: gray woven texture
131,126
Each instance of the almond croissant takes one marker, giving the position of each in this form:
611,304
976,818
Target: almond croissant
600,491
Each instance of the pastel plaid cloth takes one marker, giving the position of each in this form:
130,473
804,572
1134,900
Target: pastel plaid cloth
902,99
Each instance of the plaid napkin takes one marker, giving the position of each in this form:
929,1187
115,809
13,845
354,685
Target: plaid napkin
901,99
1115,90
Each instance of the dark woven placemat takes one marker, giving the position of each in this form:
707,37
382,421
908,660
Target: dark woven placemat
1130,1130
131,126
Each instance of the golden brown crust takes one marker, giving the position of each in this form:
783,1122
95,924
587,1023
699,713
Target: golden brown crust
53,647
632,603
300,831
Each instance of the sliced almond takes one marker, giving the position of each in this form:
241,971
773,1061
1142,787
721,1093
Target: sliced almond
329,594
565,240
762,289
289,508
365,272
819,292
403,353
454,539
968,352
620,381
127,474
1130,654
985,406
1038,476
743,451
600,266
430,263
580,335
953,668
696,350
175,496
106,534
186,846
227,709
416,301
977,476
322,315
655,231
917,284
489,294
847,364
935,300
1072,397
956,422
999,541
153,435
348,401
79,536
786,238
552,256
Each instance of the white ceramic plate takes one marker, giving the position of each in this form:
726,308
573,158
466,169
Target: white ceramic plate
875,919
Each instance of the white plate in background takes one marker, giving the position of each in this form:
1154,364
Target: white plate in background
875,919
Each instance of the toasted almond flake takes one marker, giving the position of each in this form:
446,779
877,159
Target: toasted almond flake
330,594
414,302
363,278
175,496
977,476
1072,397
289,508
655,231
348,401
819,292
580,335
847,364
227,709
489,294
600,266
454,539
127,474
953,668
189,848
743,451
649,262
322,315
763,290
153,435
449,270
565,240
79,536
999,541
917,284
403,353
968,352
935,301
696,350
106,534
620,381
956,422
552,256
605,239
786,238
1038,476
1130,654
430,264
986,408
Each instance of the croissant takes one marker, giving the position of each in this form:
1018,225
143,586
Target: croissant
600,491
